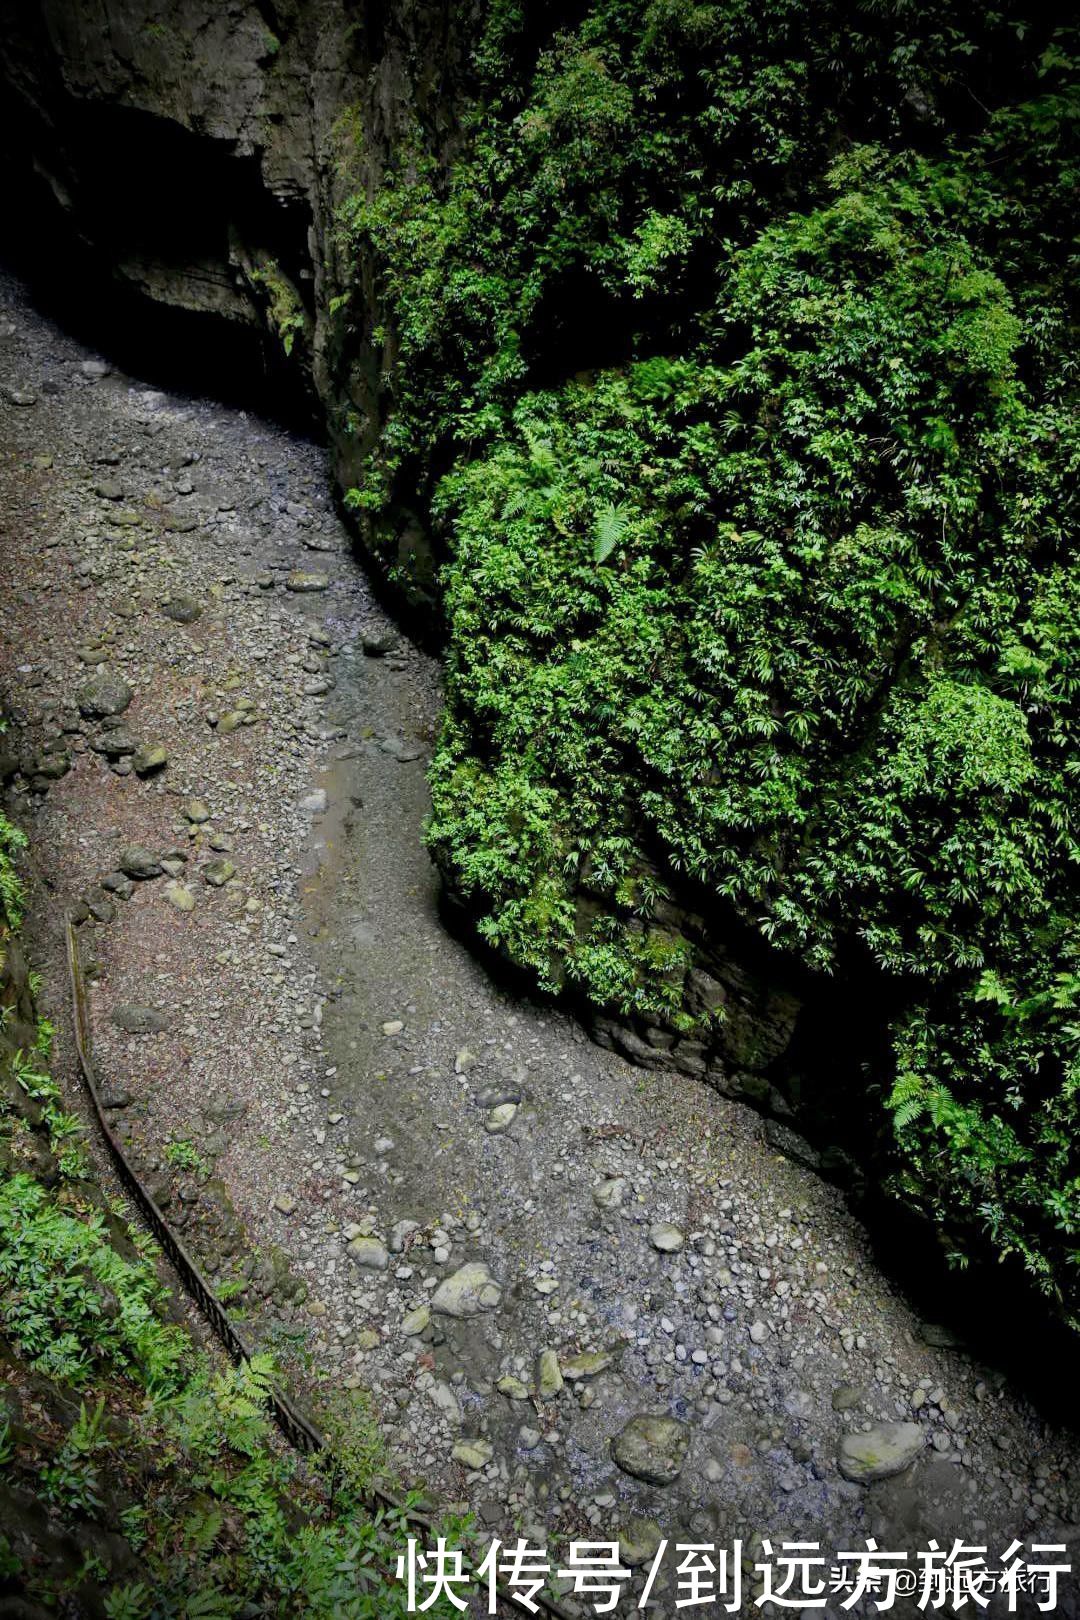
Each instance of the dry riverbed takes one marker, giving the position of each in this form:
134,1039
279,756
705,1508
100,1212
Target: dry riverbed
584,1298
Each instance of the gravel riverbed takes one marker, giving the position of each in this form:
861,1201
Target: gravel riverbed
583,1298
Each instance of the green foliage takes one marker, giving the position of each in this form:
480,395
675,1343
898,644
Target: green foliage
12,840
225,1518
7,1448
70,1303
609,530
70,1482
285,312
184,1155
66,1131
239,1539
734,357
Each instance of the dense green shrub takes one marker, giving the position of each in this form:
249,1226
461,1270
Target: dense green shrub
71,1304
734,353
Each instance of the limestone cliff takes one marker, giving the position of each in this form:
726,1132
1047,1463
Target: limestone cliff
189,159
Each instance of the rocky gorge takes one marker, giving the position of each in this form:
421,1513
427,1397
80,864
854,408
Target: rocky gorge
584,1290
192,173
585,1299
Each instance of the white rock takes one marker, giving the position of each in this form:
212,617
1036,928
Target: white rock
611,1193
469,1291
666,1237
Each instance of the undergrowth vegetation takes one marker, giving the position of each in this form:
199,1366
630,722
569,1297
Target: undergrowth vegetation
169,1494
734,357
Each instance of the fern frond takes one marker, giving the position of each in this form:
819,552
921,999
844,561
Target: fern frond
609,529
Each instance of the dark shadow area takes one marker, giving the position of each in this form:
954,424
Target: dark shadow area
989,1311
78,284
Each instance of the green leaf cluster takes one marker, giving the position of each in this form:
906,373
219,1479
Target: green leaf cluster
734,358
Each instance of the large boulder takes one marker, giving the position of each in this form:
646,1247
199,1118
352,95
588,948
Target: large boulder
880,1452
652,1448
469,1291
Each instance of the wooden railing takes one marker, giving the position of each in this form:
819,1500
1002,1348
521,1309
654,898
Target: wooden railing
298,1429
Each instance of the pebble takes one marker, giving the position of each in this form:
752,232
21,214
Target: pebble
652,1448
136,862
149,758
585,1365
639,1542
400,1232
880,1452
473,1454
369,1251
218,873
467,1292
666,1237
105,693
182,607
137,1020
500,1118
549,1379
416,1321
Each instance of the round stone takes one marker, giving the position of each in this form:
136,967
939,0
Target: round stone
469,1291
104,694
585,1365
137,862
218,873
640,1541
652,1448
500,1118
880,1452
666,1237
610,1194
473,1453
549,1379
370,1252
149,758
181,608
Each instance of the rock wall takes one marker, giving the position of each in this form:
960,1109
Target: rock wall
189,159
